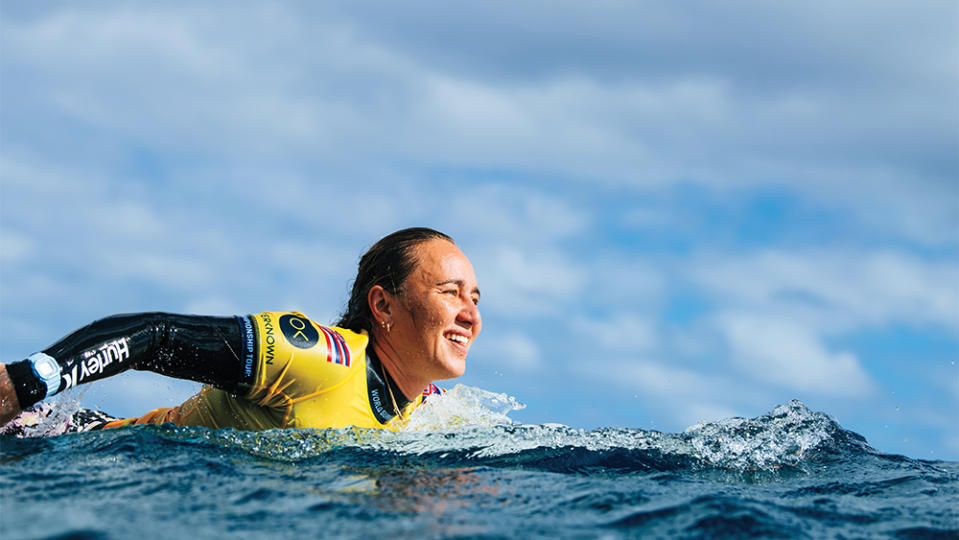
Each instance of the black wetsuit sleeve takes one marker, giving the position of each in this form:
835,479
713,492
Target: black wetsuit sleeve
210,350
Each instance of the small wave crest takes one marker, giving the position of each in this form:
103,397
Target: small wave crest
782,437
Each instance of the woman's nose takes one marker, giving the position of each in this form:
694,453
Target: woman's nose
470,316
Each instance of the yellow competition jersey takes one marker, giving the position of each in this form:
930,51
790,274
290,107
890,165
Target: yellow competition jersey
303,375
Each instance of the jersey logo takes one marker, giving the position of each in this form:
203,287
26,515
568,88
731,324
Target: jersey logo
339,353
298,331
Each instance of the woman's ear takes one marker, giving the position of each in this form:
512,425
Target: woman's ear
380,302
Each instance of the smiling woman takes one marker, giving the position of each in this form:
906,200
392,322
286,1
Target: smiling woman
410,320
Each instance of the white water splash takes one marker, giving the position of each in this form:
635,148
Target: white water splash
463,406
50,418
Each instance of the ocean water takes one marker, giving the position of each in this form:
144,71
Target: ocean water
461,469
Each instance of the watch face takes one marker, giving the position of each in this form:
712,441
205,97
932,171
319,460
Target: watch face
45,368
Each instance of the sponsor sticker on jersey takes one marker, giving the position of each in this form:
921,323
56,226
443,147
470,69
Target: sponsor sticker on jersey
248,337
382,415
269,340
336,345
299,331
94,362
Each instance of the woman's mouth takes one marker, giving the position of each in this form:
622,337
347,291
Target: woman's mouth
459,339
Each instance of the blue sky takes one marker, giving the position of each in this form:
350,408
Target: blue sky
677,211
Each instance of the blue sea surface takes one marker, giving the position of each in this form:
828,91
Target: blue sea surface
458,473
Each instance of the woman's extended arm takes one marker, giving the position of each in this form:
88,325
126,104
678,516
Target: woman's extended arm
211,350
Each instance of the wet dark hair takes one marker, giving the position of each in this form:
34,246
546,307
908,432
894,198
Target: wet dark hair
387,263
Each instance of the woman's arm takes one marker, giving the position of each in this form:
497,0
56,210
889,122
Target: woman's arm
211,350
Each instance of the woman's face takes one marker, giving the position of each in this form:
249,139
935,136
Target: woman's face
436,317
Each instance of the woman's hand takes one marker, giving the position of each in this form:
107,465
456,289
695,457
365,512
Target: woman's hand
9,404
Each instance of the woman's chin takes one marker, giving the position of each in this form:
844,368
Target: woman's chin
453,369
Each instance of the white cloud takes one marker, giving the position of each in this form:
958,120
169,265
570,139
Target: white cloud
14,246
627,282
477,110
329,92
695,413
678,395
524,283
661,379
161,34
835,291
510,351
621,333
500,213
790,355
163,270
22,289
213,305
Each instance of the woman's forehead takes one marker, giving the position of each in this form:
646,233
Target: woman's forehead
441,260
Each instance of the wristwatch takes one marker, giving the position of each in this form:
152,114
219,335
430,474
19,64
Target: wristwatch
47,370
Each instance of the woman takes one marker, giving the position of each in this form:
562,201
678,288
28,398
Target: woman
411,319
